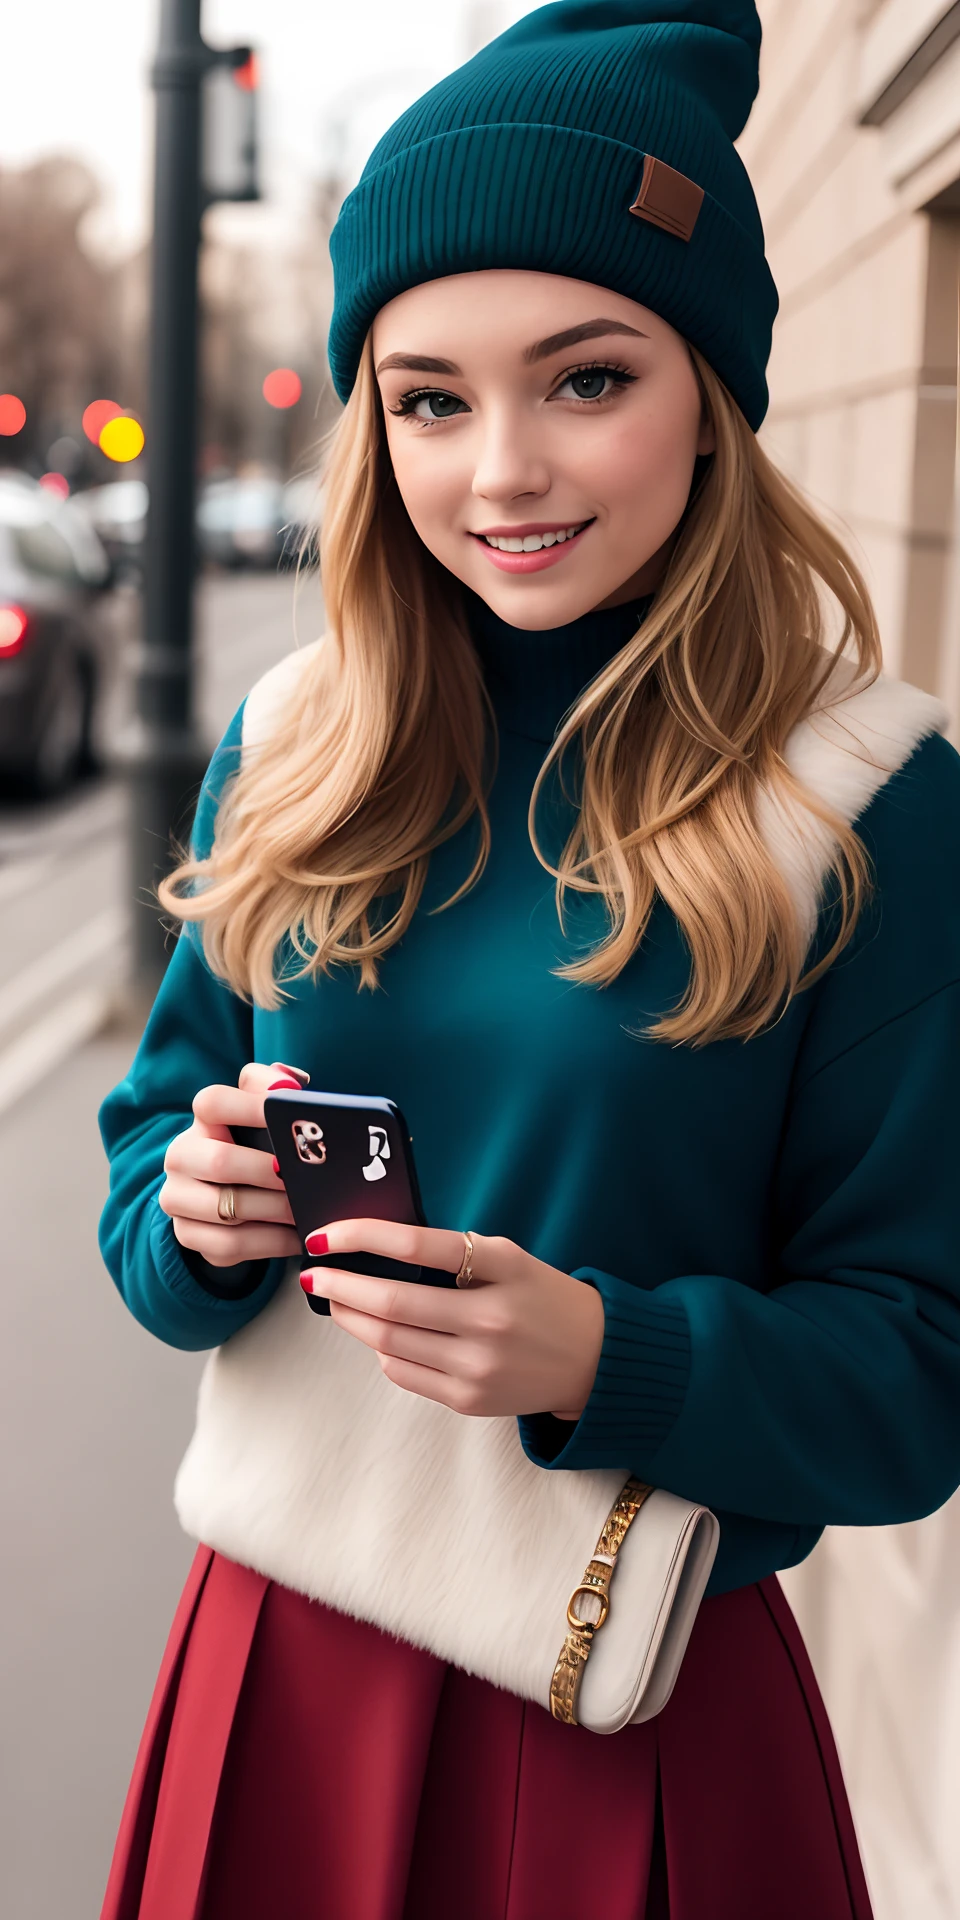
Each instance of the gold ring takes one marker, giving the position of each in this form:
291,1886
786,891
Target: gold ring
465,1273
227,1204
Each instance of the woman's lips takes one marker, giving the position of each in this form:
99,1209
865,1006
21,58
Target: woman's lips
530,562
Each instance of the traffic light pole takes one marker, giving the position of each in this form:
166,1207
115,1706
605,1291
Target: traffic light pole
166,755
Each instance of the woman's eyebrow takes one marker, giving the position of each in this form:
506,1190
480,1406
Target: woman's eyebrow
415,363
541,349
572,336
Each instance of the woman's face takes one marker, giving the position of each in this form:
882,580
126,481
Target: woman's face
526,408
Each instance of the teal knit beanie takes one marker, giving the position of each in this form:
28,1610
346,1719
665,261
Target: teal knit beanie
594,139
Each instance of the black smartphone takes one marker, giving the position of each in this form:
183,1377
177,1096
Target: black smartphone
346,1156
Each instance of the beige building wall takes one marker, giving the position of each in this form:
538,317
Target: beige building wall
854,150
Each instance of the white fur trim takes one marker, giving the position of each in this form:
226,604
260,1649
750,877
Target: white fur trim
266,700
308,1465
843,753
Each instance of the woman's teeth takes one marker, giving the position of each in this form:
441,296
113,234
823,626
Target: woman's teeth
531,542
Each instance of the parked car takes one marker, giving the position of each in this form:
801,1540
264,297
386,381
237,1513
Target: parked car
242,521
117,512
302,511
54,652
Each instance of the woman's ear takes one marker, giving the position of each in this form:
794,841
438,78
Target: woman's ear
707,442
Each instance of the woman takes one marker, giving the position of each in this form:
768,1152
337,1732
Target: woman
700,1121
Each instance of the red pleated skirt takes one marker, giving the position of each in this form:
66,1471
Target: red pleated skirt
297,1765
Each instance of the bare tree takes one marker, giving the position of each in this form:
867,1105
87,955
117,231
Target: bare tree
59,345
73,327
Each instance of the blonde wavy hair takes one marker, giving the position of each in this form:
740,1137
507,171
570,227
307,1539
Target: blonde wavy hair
323,838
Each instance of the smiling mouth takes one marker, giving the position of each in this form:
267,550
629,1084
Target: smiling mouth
532,542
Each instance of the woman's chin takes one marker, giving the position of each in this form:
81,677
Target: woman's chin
535,602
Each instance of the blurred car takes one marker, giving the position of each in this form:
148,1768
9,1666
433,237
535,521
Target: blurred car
302,512
117,512
240,521
54,653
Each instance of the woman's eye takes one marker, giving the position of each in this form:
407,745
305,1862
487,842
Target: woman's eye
431,404
593,383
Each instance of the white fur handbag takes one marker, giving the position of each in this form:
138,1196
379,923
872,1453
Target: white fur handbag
308,1465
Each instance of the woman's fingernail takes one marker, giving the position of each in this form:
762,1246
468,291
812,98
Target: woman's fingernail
317,1243
276,1166
306,1281
274,1084
297,1072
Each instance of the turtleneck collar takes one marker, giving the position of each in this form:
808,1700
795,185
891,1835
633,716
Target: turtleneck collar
533,677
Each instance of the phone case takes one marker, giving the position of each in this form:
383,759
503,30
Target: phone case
347,1156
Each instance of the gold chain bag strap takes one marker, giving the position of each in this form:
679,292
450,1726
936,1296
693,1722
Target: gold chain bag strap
595,1585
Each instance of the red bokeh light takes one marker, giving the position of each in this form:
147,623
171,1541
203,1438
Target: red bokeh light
95,418
13,631
248,76
56,483
282,387
13,413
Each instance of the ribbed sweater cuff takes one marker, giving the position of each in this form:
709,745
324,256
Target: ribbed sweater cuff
639,1389
177,1278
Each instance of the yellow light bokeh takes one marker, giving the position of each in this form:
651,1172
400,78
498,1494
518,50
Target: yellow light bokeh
121,438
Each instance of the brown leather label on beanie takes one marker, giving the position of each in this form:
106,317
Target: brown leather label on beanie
668,199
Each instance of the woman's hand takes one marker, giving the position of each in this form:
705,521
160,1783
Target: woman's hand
201,1162
523,1338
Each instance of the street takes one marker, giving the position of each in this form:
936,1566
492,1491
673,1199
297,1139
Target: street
96,1414
62,865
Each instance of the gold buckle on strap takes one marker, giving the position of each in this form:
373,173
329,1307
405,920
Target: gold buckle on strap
575,1652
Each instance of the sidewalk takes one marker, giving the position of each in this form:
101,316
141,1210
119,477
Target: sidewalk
96,1415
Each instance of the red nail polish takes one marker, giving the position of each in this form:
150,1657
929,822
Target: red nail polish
276,1165
317,1243
294,1085
296,1073
306,1281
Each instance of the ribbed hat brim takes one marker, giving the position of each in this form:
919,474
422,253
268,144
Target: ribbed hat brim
551,200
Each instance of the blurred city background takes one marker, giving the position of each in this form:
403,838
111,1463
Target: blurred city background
854,149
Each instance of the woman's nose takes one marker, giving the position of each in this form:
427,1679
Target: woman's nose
509,465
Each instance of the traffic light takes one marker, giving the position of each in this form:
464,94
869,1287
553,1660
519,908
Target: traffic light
229,166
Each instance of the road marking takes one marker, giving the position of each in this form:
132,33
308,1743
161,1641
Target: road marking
61,966
51,1040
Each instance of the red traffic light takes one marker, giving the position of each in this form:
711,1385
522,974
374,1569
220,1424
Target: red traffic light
13,413
247,75
282,387
14,627
95,418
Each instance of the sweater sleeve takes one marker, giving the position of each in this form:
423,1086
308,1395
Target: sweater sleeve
832,1394
198,1033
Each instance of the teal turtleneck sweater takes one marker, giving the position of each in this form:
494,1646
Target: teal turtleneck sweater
773,1226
